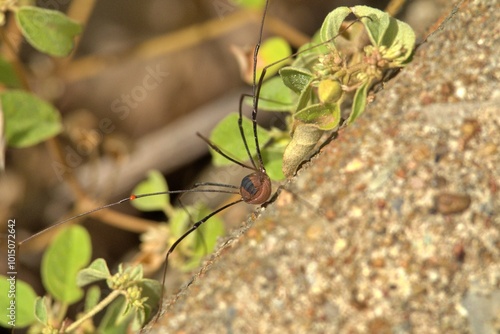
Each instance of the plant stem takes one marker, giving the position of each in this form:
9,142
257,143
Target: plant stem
17,64
98,308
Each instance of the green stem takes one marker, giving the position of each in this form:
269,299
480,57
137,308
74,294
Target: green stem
96,309
62,312
19,68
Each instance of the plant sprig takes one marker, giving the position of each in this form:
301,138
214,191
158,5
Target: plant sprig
336,69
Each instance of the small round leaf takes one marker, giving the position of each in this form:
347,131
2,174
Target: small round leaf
48,31
332,23
228,138
67,254
28,119
323,116
154,183
359,103
275,96
295,78
376,22
23,296
275,51
96,271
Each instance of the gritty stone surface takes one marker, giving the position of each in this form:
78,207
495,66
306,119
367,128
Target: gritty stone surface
393,228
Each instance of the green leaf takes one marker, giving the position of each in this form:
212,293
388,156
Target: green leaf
92,297
308,53
110,324
96,271
332,23
67,254
226,136
154,183
179,223
323,116
251,4
376,22
204,242
23,297
8,75
199,243
152,290
305,97
28,120
405,41
384,30
295,78
135,273
359,103
275,96
41,310
134,318
273,50
391,32
49,31
273,159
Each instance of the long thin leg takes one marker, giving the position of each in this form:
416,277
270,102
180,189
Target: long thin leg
191,220
193,190
214,184
254,112
218,150
254,124
131,198
178,241
256,89
240,126
72,218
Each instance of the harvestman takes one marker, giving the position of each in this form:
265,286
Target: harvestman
255,188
